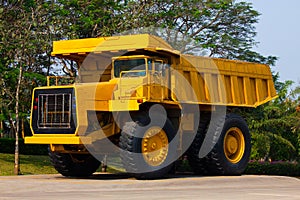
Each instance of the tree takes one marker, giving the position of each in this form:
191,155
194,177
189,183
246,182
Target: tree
220,28
86,18
275,126
22,49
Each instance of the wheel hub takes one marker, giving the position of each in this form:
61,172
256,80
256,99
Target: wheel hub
155,146
234,145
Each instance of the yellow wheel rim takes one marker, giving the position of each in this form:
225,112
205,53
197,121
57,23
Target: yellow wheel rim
155,146
234,145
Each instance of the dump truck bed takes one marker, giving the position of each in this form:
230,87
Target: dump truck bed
227,82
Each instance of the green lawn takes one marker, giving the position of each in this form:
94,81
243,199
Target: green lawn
36,164
29,164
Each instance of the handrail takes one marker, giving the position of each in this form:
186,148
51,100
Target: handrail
65,80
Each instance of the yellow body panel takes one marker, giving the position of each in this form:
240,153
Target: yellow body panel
123,105
226,82
54,139
103,44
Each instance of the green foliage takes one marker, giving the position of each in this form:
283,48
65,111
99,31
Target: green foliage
281,168
24,51
266,145
275,125
82,19
222,28
7,145
273,168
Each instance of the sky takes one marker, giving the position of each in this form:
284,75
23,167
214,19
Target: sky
278,34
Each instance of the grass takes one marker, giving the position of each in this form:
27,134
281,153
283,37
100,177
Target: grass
36,164
40,164
29,164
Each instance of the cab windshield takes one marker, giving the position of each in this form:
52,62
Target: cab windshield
132,67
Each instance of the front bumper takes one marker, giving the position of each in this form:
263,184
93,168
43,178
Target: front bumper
57,140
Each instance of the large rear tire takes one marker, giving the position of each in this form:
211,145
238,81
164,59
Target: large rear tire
74,165
231,153
198,164
146,150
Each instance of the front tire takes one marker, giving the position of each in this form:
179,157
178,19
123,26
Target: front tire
146,150
74,165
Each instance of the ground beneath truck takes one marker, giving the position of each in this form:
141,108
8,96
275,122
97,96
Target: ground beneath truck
108,186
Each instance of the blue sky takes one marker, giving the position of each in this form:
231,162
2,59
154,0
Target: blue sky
279,35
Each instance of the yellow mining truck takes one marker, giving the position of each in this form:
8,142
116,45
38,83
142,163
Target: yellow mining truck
136,96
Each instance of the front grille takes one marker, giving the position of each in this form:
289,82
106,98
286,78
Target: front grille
54,111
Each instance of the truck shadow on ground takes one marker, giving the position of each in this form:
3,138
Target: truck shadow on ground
118,176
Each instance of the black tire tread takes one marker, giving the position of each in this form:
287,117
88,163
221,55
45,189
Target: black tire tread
130,158
64,164
196,163
213,163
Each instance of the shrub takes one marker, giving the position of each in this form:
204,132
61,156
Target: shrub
7,145
281,168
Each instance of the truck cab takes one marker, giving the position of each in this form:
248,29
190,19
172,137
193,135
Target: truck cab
141,77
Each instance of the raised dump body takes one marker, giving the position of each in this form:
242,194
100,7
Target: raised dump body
120,79
227,82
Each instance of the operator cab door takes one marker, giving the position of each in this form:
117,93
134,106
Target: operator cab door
158,72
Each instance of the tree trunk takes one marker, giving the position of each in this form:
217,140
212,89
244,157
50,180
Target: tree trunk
23,128
17,159
1,127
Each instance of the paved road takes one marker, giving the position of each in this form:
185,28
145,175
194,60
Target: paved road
106,186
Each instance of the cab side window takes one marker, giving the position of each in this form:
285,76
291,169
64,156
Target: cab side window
160,67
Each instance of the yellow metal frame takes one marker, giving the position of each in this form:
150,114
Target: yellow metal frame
65,48
127,58
48,88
